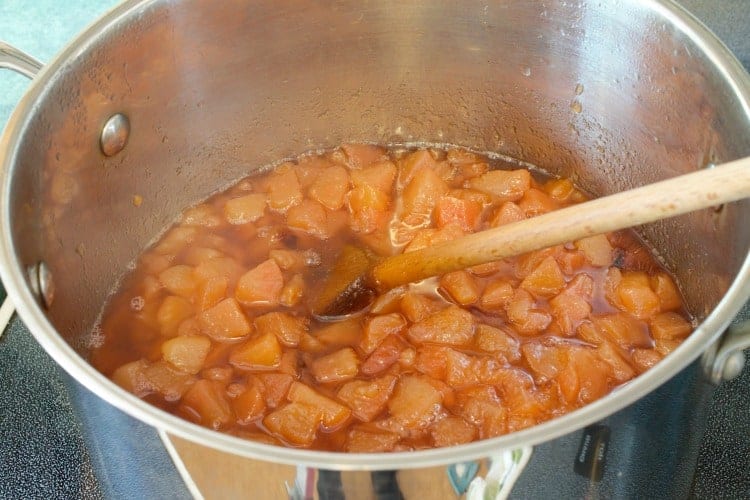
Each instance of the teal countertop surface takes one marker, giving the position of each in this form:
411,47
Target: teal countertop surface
41,29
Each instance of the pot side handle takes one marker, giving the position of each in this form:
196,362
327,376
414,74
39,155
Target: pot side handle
726,359
18,61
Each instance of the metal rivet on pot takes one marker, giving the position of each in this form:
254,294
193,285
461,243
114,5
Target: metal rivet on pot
40,279
115,134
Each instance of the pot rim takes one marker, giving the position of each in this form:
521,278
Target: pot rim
29,309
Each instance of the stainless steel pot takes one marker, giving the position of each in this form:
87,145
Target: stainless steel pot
171,101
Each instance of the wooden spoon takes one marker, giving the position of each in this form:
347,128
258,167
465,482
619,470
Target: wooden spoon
357,277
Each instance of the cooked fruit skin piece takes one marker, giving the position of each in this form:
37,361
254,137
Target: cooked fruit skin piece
261,285
225,320
450,326
336,367
262,352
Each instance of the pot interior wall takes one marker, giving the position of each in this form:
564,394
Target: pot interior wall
614,97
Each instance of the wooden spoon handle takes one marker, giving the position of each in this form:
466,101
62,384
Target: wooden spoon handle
662,200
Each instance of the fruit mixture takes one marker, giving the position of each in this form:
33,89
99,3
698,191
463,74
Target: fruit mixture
214,323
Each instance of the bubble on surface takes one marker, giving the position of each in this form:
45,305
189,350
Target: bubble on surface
137,303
